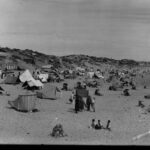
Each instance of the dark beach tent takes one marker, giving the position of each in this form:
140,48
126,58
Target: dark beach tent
48,92
11,80
24,102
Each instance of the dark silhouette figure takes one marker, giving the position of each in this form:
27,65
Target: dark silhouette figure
108,125
99,125
140,104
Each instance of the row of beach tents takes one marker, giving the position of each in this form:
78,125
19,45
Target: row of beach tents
45,91
27,102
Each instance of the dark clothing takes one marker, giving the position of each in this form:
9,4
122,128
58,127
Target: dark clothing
65,86
79,103
98,127
88,103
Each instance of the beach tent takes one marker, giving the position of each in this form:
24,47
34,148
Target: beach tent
32,85
34,82
48,92
90,74
24,102
26,76
43,77
30,81
11,80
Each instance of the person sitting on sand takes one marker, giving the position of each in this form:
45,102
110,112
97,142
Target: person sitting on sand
97,92
65,87
140,104
93,124
126,92
99,125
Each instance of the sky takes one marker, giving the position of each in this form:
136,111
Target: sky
118,29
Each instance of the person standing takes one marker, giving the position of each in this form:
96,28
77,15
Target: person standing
91,102
77,98
88,102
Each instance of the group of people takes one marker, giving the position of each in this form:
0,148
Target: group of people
82,98
99,126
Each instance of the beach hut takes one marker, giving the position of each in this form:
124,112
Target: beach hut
24,102
11,80
48,92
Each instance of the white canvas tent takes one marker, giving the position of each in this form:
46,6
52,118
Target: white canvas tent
43,77
27,77
90,74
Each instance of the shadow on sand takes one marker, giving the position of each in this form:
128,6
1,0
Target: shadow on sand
72,110
23,111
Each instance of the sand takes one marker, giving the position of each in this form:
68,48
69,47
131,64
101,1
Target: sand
126,118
